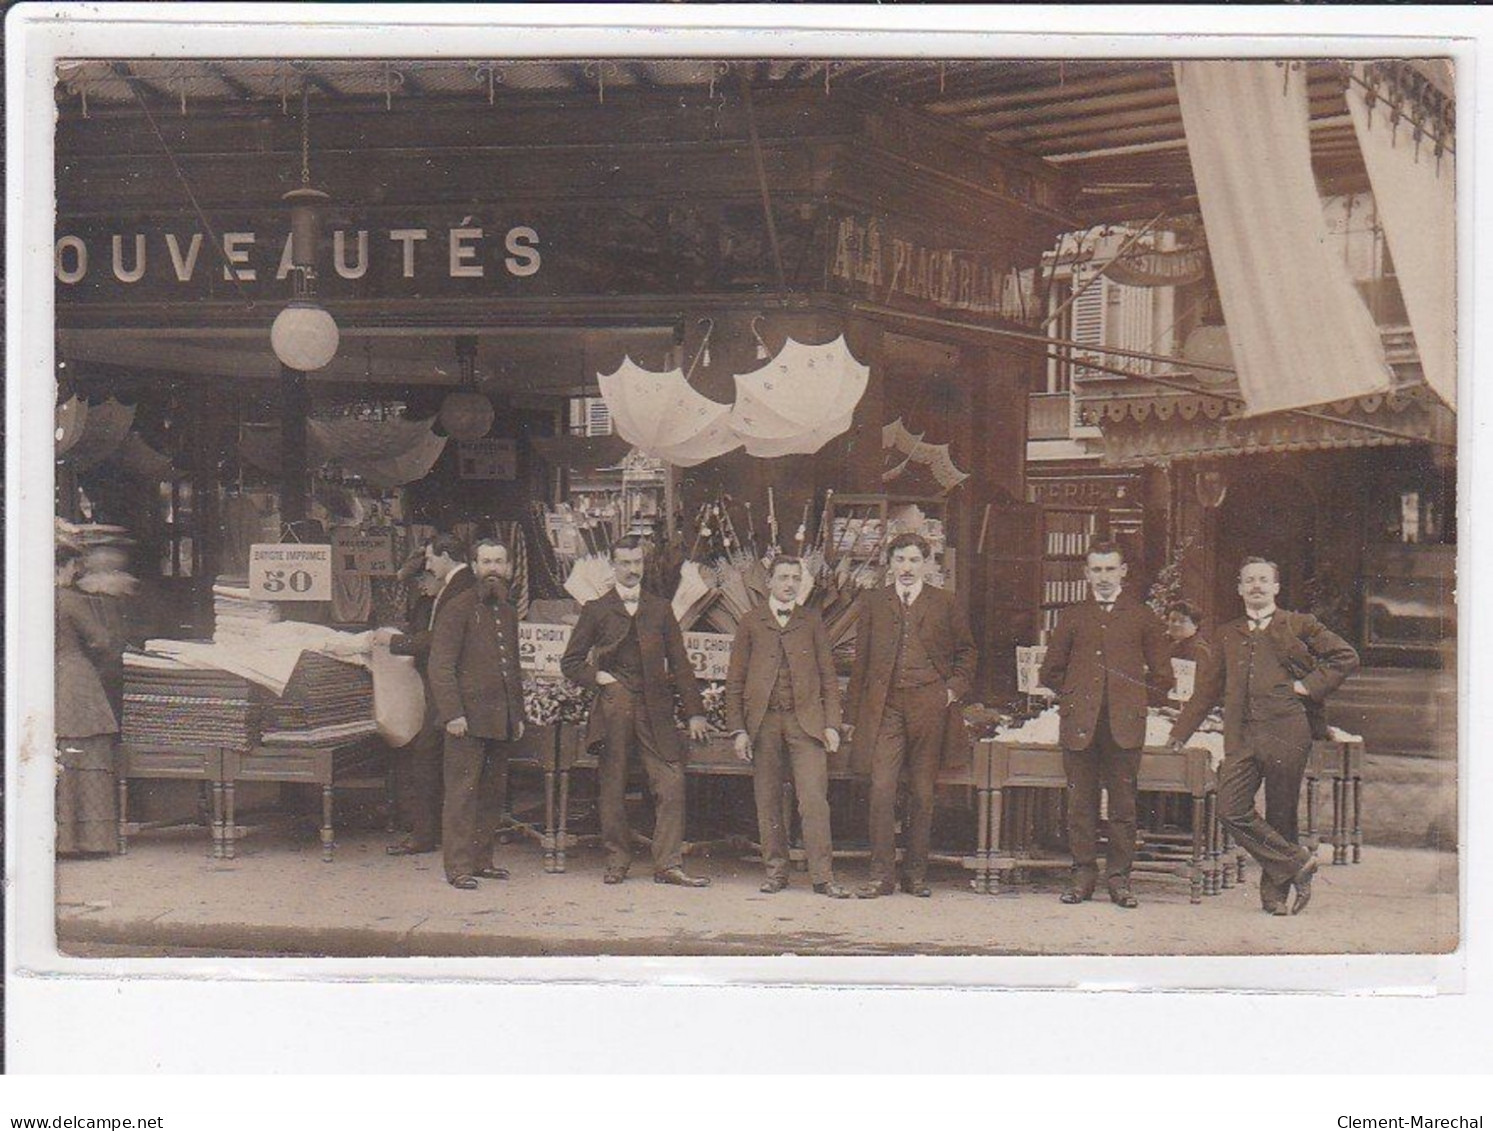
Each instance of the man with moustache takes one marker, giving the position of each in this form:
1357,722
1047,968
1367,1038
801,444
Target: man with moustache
783,707
914,659
1105,655
444,561
479,701
1271,669
628,646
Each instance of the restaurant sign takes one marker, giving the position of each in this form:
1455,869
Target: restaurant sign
871,258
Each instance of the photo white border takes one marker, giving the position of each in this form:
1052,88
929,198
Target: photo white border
40,34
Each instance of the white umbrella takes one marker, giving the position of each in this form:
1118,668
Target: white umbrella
663,416
800,400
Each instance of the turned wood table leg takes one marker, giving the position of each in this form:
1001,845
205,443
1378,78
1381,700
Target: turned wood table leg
548,841
228,826
122,830
1356,787
981,882
992,872
1339,821
562,834
1195,871
327,843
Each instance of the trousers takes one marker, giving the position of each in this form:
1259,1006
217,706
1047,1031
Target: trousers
419,772
1274,752
783,744
1102,763
476,791
912,732
628,728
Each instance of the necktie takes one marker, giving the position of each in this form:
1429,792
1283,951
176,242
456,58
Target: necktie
907,598
1258,623
1107,607
783,615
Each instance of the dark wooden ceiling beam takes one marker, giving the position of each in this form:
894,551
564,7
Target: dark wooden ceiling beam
220,72
144,86
1055,93
316,79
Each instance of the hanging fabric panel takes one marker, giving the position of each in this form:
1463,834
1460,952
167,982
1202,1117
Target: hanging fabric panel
1300,333
384,453
1415,189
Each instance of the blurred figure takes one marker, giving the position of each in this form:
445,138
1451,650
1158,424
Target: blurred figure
86,725
113,593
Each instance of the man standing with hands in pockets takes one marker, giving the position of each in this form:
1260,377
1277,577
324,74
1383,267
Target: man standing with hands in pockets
1271,668
628,645
1104,656
783,707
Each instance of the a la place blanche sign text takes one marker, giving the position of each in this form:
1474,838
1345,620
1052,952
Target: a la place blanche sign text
251,256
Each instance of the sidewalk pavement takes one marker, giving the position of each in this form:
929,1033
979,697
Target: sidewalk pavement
279,898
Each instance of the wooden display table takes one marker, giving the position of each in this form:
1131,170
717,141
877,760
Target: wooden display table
716,757
1001,765
1342,763
358,765
175,763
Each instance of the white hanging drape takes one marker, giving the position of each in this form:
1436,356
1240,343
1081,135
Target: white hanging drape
1300,333
1417,197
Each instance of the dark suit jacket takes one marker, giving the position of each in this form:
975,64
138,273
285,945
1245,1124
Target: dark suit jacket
474,666
756,656
1307,650
417,641
666,668
946,638
1096,657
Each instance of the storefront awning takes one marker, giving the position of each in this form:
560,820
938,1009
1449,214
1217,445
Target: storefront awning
1161,428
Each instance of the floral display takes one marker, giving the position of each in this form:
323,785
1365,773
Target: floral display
548,701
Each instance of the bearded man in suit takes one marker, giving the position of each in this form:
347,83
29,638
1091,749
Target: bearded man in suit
628,645
479,701
914,660
1105,655
1272,669
444,559
783,708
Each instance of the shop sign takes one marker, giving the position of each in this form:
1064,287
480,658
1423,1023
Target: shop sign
488,459
1081,492
1028,665
290,571
869,258
540,647
368,552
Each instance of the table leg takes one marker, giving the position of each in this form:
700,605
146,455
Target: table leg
992,873
561,833
1215,844
981,882
548,841
326,823
228,823
1311,810
1356,787
1195,870
122,831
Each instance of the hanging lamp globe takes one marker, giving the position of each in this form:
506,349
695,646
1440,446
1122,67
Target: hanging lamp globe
467,415
304,336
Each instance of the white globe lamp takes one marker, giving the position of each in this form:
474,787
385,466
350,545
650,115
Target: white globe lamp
304,336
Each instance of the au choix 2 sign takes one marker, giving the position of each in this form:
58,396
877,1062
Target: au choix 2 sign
116,259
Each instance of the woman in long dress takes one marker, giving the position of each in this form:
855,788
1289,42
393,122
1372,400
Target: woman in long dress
87,727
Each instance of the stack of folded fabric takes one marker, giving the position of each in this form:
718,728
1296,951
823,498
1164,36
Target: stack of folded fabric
237,615
326,703
166,704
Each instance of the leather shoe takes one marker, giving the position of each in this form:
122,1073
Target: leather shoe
465,883
614,875
1274,908
1081,890
1120,895
917,888
834,891
773,884
680,878
493,873
405,848
875,891
1302,882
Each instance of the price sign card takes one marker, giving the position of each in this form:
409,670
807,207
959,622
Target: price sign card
364,551
290,571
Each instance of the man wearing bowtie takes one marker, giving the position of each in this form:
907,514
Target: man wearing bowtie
628,646
914,659
783,708
1105,654
479,701
1271,668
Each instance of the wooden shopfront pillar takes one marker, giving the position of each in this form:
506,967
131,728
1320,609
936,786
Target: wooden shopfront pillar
295,407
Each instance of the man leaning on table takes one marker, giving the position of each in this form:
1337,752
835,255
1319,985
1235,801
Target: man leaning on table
1104,656
1271,669
628,645
783,709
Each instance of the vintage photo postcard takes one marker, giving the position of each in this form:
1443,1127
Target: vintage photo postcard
532,505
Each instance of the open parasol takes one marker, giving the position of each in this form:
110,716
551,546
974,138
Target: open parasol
800,400
660,414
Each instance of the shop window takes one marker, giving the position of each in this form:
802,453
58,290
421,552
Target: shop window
179,545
